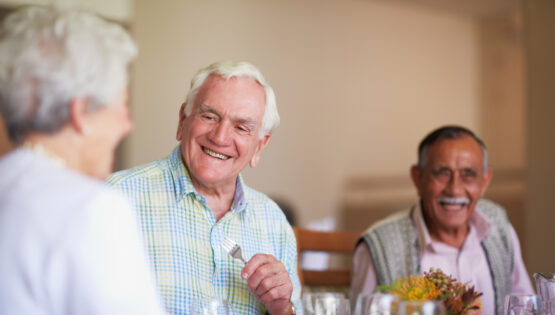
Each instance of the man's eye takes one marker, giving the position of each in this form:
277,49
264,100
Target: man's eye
443,172
469,174
243,129
208,116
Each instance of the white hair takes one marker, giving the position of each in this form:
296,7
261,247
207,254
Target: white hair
49,56
229,69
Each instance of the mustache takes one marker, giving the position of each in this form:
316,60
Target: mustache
463,201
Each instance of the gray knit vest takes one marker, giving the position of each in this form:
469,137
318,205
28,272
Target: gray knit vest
393,244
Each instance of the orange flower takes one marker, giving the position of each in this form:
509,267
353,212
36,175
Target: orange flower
458,298
415,288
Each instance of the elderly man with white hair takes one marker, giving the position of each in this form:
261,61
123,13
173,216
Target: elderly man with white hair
189,202
68,244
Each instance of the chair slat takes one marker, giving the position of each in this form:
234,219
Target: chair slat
327,278
333,241
343,242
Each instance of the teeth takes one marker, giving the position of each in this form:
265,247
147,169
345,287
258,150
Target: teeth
215,154
460,201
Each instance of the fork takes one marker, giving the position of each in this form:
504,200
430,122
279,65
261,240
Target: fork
233,249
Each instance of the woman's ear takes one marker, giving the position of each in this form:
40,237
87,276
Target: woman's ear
78,115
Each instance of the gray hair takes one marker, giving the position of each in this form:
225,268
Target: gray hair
449,132
229,69
49,56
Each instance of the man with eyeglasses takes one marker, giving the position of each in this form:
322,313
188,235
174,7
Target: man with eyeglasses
451,228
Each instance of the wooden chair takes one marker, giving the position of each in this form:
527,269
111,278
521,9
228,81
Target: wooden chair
343,242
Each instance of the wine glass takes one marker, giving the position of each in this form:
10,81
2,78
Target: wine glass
376,304
385,304
363,303
548,307
210,306
324,303
523,304
332,305
421,308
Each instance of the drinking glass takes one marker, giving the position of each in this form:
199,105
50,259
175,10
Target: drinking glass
363,303
332,305
210,306
376,304
548,307
523,304
325,303
421,308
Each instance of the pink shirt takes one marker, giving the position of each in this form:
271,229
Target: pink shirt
467,264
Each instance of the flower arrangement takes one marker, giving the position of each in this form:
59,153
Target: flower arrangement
458,298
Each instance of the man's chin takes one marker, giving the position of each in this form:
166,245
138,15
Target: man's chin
211,179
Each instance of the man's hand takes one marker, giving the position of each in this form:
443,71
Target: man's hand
269,282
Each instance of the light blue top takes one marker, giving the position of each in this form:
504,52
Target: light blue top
183,237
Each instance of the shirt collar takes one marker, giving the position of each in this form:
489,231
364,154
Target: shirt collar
181,179
239,200
478,221
39,149
424,238
184,185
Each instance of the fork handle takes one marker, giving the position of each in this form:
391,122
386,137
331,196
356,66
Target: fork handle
243,260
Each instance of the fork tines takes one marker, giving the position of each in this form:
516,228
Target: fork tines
232,248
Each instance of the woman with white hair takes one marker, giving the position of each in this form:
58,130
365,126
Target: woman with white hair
68,244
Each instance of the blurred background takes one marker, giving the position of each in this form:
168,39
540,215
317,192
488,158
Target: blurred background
359,83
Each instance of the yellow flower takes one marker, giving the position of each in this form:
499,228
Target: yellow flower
415,288
458,298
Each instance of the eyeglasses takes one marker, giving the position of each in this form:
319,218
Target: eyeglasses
466,175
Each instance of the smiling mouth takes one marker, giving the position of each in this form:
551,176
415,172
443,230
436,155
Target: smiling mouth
215,154
453,203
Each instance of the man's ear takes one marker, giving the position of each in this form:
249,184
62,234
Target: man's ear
486,178
182,116
78,115
262,143
416,176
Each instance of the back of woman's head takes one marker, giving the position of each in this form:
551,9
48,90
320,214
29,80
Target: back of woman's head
49,56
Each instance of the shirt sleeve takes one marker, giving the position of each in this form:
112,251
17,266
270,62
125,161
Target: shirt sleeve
363,278
521,283
101,267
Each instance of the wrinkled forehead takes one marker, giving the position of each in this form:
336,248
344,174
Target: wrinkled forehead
463,149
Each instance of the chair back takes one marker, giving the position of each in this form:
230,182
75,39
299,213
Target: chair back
342,242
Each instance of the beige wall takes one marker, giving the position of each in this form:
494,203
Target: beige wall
358,84
502,89
539,16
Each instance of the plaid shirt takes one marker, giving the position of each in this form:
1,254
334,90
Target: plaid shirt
183,237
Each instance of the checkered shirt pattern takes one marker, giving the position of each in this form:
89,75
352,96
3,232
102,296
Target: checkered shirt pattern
183,238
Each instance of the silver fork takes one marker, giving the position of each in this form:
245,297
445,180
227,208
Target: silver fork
233,249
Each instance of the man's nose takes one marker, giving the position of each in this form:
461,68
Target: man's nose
221,133
454,185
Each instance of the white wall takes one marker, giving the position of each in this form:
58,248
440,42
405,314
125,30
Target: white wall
358,83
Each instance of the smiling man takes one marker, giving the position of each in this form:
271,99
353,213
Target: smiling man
451,228
190,201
